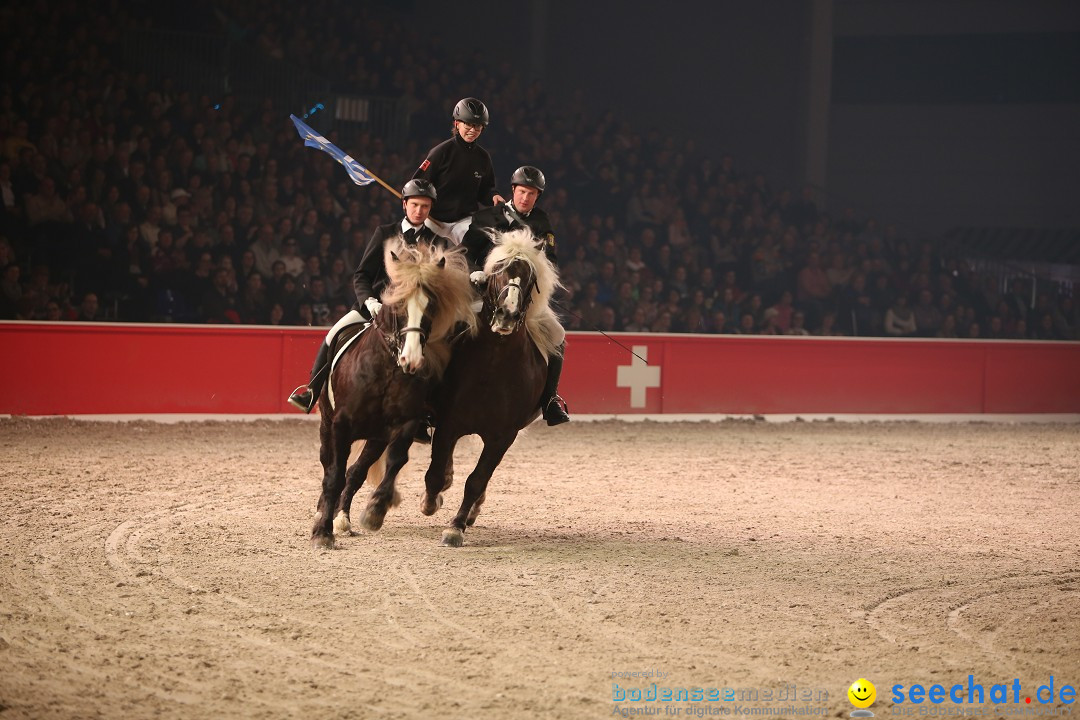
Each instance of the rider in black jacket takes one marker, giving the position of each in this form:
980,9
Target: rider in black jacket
461,170
370,279
528,185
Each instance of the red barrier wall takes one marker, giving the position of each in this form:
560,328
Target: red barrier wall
81,368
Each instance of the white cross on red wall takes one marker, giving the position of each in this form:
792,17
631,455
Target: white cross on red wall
638,376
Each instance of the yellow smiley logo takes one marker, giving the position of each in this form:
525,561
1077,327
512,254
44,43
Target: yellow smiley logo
862,693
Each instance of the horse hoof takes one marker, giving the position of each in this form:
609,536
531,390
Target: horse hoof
322,542
371,520
452,537
396,500
342,526
428,507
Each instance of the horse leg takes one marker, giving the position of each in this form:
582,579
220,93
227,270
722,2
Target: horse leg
440,473
354,479
334,453
476,487
384,496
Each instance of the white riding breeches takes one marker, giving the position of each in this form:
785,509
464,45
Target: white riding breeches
455,230
353,317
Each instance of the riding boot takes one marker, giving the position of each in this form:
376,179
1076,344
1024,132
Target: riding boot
305,396
554,407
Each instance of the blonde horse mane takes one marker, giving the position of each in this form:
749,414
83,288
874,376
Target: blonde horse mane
540,321
419,269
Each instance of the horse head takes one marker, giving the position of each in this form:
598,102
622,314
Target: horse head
428,295
510,292
518,274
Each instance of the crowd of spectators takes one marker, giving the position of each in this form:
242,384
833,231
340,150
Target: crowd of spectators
133,200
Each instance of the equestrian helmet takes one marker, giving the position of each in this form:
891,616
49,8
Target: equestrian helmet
528,175
472,111
419,188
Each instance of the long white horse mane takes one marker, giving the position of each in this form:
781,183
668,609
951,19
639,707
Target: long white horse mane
417,268
540,321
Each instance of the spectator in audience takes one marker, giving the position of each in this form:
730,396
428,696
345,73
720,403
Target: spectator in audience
265,250
927,316
814,287
1046,330
899,319
294,264
636,323
219,302
45,206
798,324
948,327
747,326
784,310
89,309
828,326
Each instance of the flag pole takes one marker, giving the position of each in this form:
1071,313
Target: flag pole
380,181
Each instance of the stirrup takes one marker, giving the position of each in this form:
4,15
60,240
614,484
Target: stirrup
556,411
303,399
423,430
423,435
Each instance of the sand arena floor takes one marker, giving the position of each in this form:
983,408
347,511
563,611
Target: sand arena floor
164,571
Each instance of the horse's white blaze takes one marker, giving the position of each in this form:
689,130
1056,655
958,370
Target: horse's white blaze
412,351
513,296
509,308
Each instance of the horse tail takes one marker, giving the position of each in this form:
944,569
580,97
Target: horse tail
376,472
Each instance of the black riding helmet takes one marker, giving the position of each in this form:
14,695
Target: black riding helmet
528,175
472,111
419,188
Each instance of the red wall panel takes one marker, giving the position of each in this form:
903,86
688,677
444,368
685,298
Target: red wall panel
72,368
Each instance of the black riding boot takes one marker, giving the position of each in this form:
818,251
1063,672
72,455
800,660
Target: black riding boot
554,407
305,396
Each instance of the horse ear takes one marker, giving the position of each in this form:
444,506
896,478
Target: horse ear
442,263
394,257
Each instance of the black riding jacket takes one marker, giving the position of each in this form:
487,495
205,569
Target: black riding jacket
463,176
370,278
478,243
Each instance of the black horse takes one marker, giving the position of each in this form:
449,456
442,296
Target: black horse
378,388
493,384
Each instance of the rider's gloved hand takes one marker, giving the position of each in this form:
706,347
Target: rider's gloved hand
373,306
478,277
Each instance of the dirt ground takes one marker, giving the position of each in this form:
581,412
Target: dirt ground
154,570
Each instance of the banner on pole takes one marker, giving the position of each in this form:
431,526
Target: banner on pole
359,174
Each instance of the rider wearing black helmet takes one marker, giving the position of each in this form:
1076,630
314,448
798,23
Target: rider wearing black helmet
370,278
461,170
528,184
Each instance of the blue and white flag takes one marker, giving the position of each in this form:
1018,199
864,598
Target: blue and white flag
357,172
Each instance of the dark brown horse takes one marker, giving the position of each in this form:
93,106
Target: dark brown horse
493,383
378,388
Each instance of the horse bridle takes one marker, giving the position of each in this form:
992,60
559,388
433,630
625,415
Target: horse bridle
495,299
394,338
